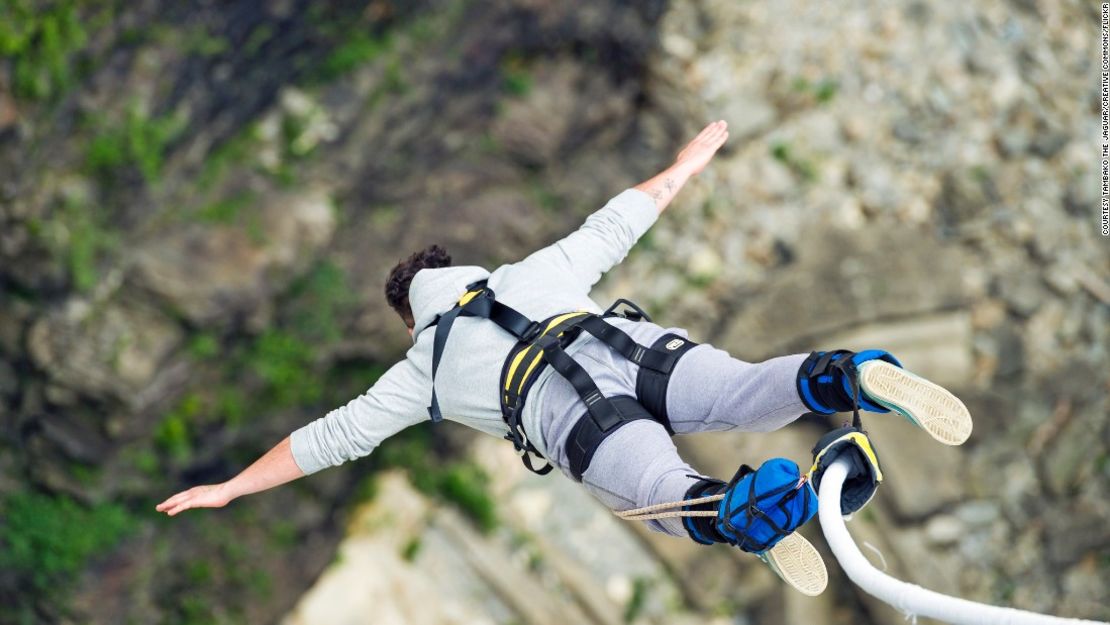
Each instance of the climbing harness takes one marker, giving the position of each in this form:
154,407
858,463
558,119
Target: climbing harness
543,343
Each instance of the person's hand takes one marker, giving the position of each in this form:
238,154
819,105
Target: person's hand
208,496
696,155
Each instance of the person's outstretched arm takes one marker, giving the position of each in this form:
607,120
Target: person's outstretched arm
397,400
274,468
607,235
690,161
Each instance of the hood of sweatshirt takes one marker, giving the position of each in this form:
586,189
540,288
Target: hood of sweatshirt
435,291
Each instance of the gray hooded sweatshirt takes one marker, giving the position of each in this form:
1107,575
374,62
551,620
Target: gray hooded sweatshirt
555,279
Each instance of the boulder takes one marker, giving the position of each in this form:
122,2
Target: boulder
214,274
842,280
920,475
549,115
937,346
111,349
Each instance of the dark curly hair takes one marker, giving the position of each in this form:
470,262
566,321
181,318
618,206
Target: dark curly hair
397,286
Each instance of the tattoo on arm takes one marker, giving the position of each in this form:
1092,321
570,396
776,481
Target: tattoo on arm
664,194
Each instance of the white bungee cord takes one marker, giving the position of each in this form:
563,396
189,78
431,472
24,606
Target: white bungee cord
910,599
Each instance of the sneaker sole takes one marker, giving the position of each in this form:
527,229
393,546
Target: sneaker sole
925,404
798,563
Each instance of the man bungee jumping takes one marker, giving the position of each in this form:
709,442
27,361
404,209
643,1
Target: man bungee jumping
523,353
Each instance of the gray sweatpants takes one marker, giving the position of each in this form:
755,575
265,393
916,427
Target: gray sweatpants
709,391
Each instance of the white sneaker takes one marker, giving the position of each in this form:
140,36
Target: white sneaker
926,405
797,562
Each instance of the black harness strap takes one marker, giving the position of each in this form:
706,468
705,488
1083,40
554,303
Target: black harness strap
651,384
601,410
509,320
626,346
443,329
586,435
482,305
548,340
516,382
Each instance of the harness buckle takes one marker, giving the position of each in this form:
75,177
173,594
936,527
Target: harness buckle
636,314
534,330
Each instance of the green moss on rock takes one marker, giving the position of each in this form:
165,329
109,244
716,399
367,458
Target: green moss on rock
48,539
39,40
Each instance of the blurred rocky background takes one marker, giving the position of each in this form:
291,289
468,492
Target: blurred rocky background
199,202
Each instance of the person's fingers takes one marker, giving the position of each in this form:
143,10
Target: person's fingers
169,502
708,141
182,501
185,504
714,133
707,130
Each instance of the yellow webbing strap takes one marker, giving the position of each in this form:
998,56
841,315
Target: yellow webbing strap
469,295
535,354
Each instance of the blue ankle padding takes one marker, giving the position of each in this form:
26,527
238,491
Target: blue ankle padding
779,498
688,523
809,399
866,402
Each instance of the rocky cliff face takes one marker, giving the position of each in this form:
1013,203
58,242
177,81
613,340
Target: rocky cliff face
199,204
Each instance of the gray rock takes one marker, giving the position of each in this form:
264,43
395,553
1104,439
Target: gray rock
1060,276
214,274
61,395
965,196
1082,193
943,529
1070,534
921,475
110,349
857,278
748,114
14,315
536,125
1022,290
1069,459
1049,140
935,346
977,513
76,436
9,384
1013,142
908,130
1084,587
